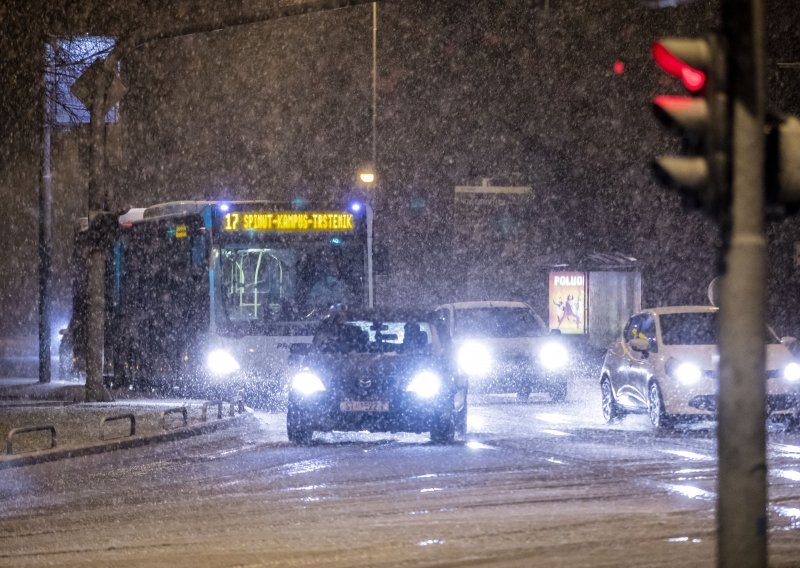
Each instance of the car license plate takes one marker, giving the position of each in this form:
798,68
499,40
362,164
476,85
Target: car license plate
364,406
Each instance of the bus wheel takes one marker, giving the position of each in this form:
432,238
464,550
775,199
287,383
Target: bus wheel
443,429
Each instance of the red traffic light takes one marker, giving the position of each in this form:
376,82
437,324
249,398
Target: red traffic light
693,79
686,112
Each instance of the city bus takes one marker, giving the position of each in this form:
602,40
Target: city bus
207,297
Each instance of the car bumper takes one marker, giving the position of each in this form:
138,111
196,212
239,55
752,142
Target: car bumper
702,399
404,413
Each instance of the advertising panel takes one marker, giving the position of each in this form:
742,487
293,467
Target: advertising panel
568,292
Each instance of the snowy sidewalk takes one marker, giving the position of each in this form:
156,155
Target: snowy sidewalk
44,422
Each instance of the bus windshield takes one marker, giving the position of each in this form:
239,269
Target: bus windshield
282,282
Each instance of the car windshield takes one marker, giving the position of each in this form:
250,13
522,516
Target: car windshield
498,322
696,329
373,336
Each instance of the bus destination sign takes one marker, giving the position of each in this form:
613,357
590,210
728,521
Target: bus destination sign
303,221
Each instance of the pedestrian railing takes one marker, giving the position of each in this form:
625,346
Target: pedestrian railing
131,420
207,405
179,410
27,429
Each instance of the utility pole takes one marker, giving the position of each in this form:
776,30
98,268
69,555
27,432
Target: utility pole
741,433
96,265
46,221
374,86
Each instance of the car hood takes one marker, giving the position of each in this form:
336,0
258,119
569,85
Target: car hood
511,347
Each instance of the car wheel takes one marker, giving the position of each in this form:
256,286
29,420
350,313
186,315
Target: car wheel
298,431
611,410
660,420
559,393
461,421
443,429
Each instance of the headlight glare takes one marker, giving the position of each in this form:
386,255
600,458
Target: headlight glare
305,382
220,362
553,356
425,384
791,372
687,373
474,359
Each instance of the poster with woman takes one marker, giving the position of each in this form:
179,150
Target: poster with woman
567,293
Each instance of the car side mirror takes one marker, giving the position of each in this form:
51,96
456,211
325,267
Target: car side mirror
640,344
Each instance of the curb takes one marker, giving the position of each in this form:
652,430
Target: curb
43,456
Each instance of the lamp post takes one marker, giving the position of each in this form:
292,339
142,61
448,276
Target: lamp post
374,86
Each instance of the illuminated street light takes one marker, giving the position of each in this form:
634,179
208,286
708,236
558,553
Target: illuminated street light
366,176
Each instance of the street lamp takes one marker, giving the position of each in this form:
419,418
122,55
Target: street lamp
367,177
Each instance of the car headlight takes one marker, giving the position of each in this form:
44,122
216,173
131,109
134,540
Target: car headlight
687,373
425,384
305,382
220,362
791,372
474,359
553,356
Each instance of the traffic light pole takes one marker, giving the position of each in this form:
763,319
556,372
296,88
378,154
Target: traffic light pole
742,488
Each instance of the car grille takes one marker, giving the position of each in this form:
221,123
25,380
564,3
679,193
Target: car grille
366,388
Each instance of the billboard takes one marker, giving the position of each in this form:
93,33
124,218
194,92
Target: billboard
568,292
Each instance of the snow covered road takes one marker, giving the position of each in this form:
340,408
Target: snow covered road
535,484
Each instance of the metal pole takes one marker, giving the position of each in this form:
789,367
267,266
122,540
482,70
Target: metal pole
46,224
374,87
370,276
741,507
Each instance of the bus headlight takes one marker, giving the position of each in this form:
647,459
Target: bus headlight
426,384
220,362
305,383
553,356
791,372
474,359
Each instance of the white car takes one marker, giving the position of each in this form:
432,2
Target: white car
666,364
503,346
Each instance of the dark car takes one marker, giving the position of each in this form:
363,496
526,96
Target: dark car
380,371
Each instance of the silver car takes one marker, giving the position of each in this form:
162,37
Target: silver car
504,346
666,364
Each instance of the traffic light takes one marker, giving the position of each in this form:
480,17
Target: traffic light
701,172
782,165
